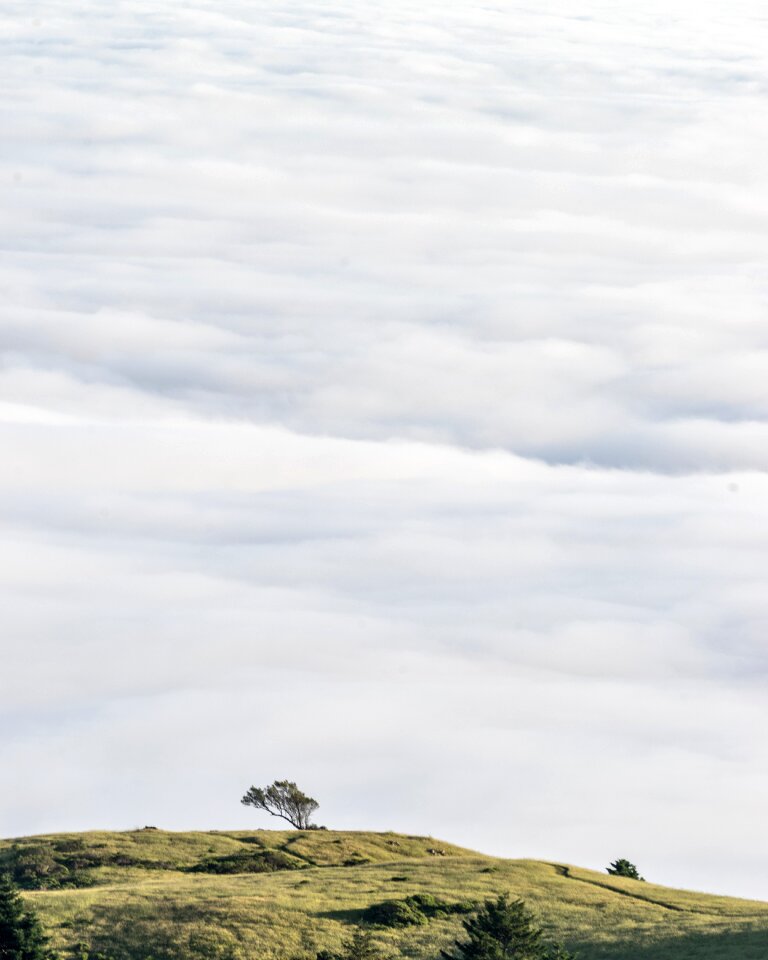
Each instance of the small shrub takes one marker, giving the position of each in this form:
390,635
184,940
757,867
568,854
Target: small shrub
394,913
34,867
417,909
50,866
434,907
623,868
265,861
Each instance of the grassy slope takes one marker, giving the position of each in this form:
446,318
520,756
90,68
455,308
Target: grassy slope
165,912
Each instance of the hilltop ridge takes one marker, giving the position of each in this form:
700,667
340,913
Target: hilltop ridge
268,894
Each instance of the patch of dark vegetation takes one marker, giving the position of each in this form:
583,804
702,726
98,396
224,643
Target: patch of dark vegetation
38,868
288,847
624,868
399,879
255,841
418,909
264,861
356,861
394,913
62,864
21,934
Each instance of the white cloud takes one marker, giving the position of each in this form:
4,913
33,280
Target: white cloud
287,203
381,404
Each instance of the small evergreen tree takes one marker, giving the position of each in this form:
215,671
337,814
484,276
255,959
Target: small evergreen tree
501,929
21,936
504,929
623,868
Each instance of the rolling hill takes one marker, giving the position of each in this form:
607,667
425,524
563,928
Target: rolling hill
268,894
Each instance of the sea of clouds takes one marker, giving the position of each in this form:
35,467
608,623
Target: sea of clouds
383,405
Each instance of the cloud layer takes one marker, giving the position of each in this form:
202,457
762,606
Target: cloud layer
382,405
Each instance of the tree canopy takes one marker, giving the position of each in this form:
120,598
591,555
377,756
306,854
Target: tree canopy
623,868
504,929
283,799
21,936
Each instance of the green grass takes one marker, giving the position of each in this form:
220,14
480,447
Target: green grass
149,905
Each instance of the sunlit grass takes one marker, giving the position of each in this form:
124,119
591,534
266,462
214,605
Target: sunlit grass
168,913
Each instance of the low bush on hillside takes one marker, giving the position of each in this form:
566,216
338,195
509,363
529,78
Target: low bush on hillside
60,865
394,913
265,861
417,909
35,868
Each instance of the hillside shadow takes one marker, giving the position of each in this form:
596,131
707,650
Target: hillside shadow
749,944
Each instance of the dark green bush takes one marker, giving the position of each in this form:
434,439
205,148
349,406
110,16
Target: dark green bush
501,928
434,907
49,866
265,861
623,868
417,909
63,863
394,913
34,867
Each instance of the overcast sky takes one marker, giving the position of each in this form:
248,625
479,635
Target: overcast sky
383,405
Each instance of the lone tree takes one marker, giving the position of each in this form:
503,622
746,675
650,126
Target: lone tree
21,936
283,799
504,929
623,868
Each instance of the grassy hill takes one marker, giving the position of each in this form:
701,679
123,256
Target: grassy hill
258,895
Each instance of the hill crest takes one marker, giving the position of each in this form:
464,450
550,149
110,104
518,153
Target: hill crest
269,894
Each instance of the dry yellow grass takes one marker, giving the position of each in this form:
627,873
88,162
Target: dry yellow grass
157,909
